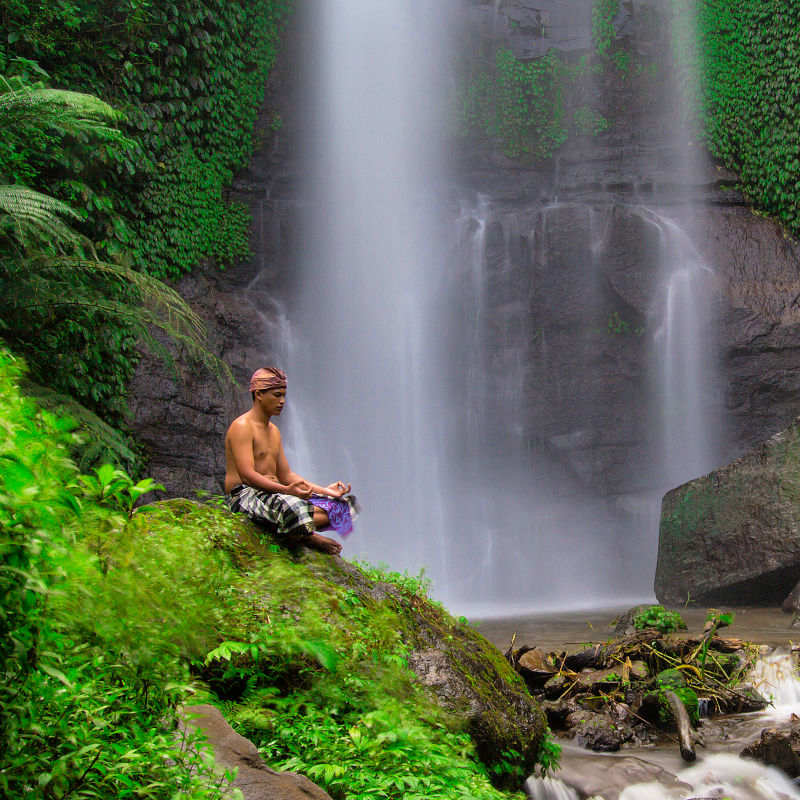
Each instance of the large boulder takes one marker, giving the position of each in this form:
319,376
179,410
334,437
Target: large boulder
777,748
733,536
459,669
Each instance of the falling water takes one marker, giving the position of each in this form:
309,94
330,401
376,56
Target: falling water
686,371
366,375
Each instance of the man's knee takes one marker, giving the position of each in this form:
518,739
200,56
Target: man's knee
320,517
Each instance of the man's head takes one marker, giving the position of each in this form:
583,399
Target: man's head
268,389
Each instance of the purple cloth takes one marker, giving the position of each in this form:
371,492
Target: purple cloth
338,511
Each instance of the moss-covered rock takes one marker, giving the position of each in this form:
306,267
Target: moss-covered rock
466,675
733,536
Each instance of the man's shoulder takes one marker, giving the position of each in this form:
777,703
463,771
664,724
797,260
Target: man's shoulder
241,424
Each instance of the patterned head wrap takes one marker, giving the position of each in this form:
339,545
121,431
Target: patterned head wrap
268,378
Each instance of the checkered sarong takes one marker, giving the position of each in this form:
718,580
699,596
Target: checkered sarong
289,517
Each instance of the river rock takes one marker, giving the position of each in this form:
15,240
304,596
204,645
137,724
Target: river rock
602,733
595,776
255,779
777,748
733,536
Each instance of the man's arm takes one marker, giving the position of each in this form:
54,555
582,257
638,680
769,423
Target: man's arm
240,440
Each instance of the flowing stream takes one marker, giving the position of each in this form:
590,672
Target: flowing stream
639,774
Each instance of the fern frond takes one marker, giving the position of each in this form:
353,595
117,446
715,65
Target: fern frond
34,108
100,442
47,288
32,217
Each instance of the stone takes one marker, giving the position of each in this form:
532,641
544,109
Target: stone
599,732
777,748
535,668
608,777
623,624
255,779
462,670
791,604
733,536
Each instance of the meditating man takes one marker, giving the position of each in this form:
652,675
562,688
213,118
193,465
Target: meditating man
260,483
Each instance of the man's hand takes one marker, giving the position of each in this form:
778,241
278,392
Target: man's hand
338,489
299,488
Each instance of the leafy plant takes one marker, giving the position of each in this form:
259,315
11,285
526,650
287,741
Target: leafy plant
747,78
90,666
659,618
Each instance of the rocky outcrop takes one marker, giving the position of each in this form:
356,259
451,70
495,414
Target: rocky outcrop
463,672
733,536
777,748
254,778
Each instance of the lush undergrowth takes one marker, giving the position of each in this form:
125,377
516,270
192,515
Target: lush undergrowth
112,616
188,78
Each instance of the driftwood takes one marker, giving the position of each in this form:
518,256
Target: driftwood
683,724
613,689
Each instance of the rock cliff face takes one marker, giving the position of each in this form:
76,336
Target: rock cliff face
569,270
733,536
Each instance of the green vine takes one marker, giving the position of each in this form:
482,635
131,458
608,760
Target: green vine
749,101
604,13
190,77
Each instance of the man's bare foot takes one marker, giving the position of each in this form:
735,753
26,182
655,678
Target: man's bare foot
322,543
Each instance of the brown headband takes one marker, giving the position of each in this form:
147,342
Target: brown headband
268,378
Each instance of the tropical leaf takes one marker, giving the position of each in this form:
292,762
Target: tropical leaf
98,441
30,217
34,108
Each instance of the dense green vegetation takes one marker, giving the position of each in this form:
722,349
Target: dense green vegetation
530,106
93,657
750,97
110,617
187,80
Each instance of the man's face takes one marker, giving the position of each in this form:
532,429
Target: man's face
271,400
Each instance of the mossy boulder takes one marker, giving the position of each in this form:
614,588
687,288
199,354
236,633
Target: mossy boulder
733,536
465,674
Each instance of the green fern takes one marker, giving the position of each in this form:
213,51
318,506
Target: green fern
25,108
96,442
47,267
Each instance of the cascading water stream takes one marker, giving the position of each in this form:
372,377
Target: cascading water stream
717,773
686,371
366,374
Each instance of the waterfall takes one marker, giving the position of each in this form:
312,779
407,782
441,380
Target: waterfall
366,372
686,374
686,379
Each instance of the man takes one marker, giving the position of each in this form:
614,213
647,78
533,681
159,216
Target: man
260,483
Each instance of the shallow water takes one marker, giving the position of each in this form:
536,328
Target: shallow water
627,775
573,630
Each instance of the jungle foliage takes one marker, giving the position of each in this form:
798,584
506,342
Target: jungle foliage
750,95
190,78
92,659
111,616
142,189
52,282
531,106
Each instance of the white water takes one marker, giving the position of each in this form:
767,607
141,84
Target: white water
365,376
391,386
686,377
